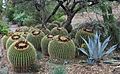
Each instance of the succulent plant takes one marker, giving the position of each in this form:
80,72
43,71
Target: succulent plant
4,40
59,31
96,49
84,33
44,43
39,26
46,31
62,48
12,39
22,29
59,70
24,34
21,54
35,38
51,26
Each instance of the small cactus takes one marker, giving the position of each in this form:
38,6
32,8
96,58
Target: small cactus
62,48
21,55
82,33
44,43
4,39
23,29
46,31
51,26
12,39
59,31
35,38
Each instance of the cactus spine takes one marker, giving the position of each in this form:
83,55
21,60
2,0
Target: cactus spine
63,48
21,55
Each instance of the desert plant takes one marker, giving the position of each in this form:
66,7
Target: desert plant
46,31
35,38
84,33
21,55
59,31
44,43
12,39
51,26
4,39
23,29
96,49
59,70
62,48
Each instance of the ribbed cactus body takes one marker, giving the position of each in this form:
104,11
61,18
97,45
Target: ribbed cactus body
46,31
84,34
22,29
12,39
63,48
59,31
44,43
4,40
21,55
51,26
35,38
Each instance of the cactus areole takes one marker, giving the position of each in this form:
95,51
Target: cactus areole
87,30
58,28
50,36
21,45
15,37
63,38
35,32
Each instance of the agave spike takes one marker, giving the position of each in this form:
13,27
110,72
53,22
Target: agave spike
83,50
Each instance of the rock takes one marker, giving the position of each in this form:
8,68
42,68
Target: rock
4,70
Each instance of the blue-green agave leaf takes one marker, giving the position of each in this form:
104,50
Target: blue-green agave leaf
83,50
111,49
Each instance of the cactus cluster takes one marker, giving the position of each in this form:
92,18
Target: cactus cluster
35,38
21,55
44,43
59,31
82,33
61,48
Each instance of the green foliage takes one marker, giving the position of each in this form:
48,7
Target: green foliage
59,16
35,38
9,11
1,6
59,31
44,43
96,49
61,48
3,28
82,33
59,70
21,55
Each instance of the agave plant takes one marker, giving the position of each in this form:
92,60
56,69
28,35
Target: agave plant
97,49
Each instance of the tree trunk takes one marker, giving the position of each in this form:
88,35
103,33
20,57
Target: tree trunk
67,24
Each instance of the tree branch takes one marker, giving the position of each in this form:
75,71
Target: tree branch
54,11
